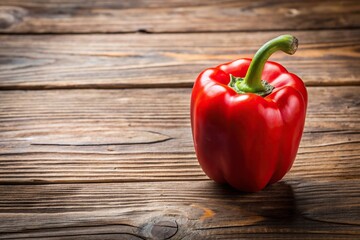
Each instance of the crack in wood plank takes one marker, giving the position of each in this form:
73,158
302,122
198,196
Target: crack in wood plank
99,138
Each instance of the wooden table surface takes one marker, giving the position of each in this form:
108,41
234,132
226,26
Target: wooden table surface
95,138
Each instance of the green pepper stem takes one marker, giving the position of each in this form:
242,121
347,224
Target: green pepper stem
252,81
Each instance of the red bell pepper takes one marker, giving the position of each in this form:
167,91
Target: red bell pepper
247,118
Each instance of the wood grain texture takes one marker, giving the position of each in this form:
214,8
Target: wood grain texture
107,153
137,60
64,136
59,16
179,210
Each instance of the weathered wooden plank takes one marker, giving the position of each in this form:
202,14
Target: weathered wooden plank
201,210
158,60
128,135
58,16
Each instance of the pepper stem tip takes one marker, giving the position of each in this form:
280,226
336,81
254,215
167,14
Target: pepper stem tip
252,81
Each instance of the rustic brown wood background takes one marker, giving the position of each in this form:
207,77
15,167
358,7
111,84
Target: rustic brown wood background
95,139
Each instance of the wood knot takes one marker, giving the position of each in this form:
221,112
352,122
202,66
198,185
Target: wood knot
164,229
161,229
292,12
10,15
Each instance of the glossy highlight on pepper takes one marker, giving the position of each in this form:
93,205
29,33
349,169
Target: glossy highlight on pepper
247,118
